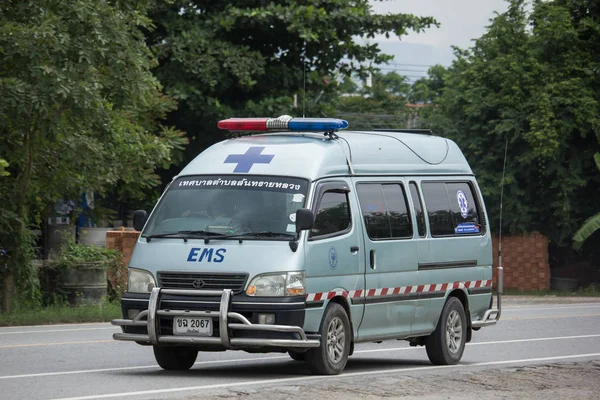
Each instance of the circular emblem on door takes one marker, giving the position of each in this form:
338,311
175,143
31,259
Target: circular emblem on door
333,257
198,283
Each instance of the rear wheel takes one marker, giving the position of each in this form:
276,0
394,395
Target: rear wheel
331,356
446,344
175,358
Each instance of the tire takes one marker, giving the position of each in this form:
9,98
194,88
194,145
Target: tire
175,358
331,356
296,356
445,345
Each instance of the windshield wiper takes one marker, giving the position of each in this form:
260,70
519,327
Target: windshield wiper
268,234
180,234
240,235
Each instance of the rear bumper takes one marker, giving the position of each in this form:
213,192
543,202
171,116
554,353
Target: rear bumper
235,325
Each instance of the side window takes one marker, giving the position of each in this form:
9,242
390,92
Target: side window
438,208
463,207
384,210
333,214
414,193
451,208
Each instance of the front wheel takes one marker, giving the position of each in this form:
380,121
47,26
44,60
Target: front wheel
446,344
331,356
175,358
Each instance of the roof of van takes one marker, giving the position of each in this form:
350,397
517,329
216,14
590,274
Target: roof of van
315,156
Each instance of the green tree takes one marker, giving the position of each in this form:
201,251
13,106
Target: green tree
79,111
251,57
378,104
426,90
531,80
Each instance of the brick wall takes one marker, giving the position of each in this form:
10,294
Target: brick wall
525,261
123,241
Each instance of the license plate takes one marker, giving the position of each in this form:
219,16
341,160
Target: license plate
192,326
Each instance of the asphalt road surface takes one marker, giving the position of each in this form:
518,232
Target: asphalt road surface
83,362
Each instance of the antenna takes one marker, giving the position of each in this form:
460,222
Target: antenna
500,289
304,76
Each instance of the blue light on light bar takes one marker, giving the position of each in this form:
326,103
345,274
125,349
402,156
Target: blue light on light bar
316,124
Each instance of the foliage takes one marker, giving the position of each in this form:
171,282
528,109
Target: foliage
592,224
251,57
77,255
79,112
531,81
3,165
379,103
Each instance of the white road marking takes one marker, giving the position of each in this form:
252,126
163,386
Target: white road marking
86,371
59,330
54,325
567,307
327,377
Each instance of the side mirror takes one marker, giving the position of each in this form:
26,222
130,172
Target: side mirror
139,219
304,219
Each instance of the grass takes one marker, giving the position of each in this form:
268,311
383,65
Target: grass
62,315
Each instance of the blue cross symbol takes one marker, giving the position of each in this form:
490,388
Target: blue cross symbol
247,160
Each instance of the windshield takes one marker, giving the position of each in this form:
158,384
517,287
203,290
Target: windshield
229,205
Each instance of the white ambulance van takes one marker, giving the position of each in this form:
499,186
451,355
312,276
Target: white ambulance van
307,240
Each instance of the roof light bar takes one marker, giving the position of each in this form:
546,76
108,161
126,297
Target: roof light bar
283,123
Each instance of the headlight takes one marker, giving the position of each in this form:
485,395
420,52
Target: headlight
277,284
140,281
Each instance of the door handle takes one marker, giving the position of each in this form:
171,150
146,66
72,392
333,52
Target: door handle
354,249
372,259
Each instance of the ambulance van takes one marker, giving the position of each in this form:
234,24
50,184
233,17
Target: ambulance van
307,239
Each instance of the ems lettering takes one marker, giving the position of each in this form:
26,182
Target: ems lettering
207,254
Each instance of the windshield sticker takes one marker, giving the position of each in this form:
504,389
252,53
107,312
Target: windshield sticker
293,217
298,198
291,228
248,159
467,227
462,203
271,184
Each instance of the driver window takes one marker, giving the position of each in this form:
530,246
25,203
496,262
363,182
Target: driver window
333,215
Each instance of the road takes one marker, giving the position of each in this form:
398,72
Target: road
81,361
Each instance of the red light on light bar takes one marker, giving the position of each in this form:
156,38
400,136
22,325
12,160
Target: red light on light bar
244,124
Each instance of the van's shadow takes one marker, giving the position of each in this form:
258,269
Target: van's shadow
276,368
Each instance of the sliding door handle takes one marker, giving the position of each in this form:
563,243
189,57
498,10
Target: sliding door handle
372,259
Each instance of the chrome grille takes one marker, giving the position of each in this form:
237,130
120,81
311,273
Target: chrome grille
202,281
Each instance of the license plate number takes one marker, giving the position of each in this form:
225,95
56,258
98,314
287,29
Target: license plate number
192,326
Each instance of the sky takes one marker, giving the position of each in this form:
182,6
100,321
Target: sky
461,21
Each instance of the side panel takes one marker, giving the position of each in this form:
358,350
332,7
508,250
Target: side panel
334,266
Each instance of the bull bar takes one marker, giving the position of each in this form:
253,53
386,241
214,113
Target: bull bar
224,316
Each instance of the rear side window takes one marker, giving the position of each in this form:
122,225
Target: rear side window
333,214
385,211
414,193
451,208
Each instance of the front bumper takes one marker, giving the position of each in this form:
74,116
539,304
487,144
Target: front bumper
235,331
